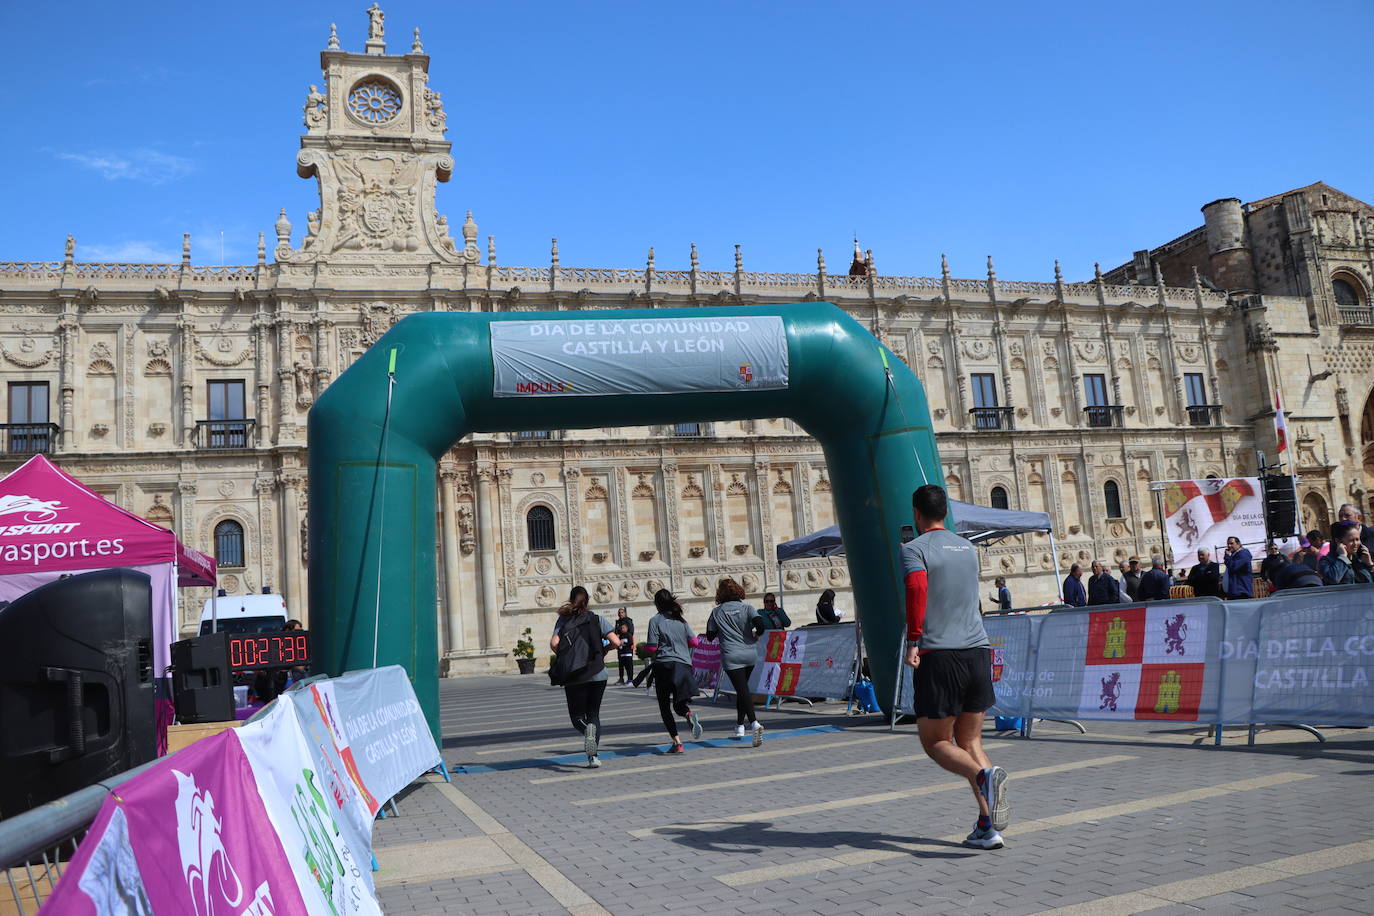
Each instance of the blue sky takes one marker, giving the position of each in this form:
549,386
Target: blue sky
1029,131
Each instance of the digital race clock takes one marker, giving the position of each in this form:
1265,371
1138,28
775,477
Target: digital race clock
264,651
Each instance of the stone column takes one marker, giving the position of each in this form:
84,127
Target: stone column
262,379
286,412
185,370
765,502
672,494
293,589
486,538
448,479
68,335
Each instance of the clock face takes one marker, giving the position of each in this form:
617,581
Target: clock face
374,101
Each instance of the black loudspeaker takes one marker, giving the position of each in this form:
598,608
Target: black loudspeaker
201,687
1280,506
76,686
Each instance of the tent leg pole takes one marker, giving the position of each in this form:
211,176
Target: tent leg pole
1058,582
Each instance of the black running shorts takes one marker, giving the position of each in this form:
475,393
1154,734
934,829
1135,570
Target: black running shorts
951,681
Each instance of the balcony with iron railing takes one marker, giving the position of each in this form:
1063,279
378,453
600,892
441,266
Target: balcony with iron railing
29,438
1105,416
993,417
1204,414
224,433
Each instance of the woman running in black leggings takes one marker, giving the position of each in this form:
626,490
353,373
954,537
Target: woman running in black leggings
673,641
738,627
579,630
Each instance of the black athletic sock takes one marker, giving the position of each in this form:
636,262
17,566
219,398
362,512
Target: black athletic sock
984,822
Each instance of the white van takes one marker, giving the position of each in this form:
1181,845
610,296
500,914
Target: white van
245,614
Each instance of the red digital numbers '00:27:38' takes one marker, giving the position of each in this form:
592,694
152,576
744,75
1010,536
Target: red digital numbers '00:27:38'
268,651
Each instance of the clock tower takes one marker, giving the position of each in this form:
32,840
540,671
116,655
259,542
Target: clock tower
375,142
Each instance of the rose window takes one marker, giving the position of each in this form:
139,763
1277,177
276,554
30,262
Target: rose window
374,102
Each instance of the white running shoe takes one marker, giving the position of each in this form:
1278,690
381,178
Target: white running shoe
758,733
994,792
593,762
589,740
739,731
984,838
696,726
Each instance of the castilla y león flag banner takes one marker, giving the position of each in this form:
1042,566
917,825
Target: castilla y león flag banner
1204,513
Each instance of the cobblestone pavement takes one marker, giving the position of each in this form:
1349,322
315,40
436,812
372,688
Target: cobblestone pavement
836,814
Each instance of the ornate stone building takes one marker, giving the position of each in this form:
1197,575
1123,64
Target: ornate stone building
181,391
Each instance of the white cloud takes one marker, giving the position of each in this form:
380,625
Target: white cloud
145,165
132,252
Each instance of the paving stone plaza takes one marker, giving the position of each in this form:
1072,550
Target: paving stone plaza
838,814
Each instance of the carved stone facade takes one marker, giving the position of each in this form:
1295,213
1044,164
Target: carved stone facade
1092,384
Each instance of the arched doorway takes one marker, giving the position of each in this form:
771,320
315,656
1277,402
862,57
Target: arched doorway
1315,513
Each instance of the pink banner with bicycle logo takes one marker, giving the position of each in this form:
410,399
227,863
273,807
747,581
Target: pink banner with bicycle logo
273,817
190,835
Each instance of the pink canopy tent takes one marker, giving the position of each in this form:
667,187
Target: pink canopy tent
50,524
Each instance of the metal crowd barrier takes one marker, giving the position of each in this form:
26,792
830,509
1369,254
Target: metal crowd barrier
1302,634
35,845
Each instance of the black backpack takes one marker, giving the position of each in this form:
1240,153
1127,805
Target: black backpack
579,655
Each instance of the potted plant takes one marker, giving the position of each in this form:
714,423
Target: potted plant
524,651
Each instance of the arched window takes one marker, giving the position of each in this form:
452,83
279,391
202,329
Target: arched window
229,543
539,528
1345,292
998,498
1111,493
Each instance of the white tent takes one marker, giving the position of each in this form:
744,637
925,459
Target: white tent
980,524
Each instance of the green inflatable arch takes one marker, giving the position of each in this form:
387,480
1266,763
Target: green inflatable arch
374,444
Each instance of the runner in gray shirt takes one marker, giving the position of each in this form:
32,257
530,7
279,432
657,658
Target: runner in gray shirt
948,647
673,640
738,626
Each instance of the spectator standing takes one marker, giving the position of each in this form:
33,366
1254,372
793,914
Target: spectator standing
1131,574
738,627
624,619
1349,561
1102,587
1240,569
626,654
1311,554
1205,576
825,608
1349,513
1273,560
1156,582
1074,595
773,615
1003,593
